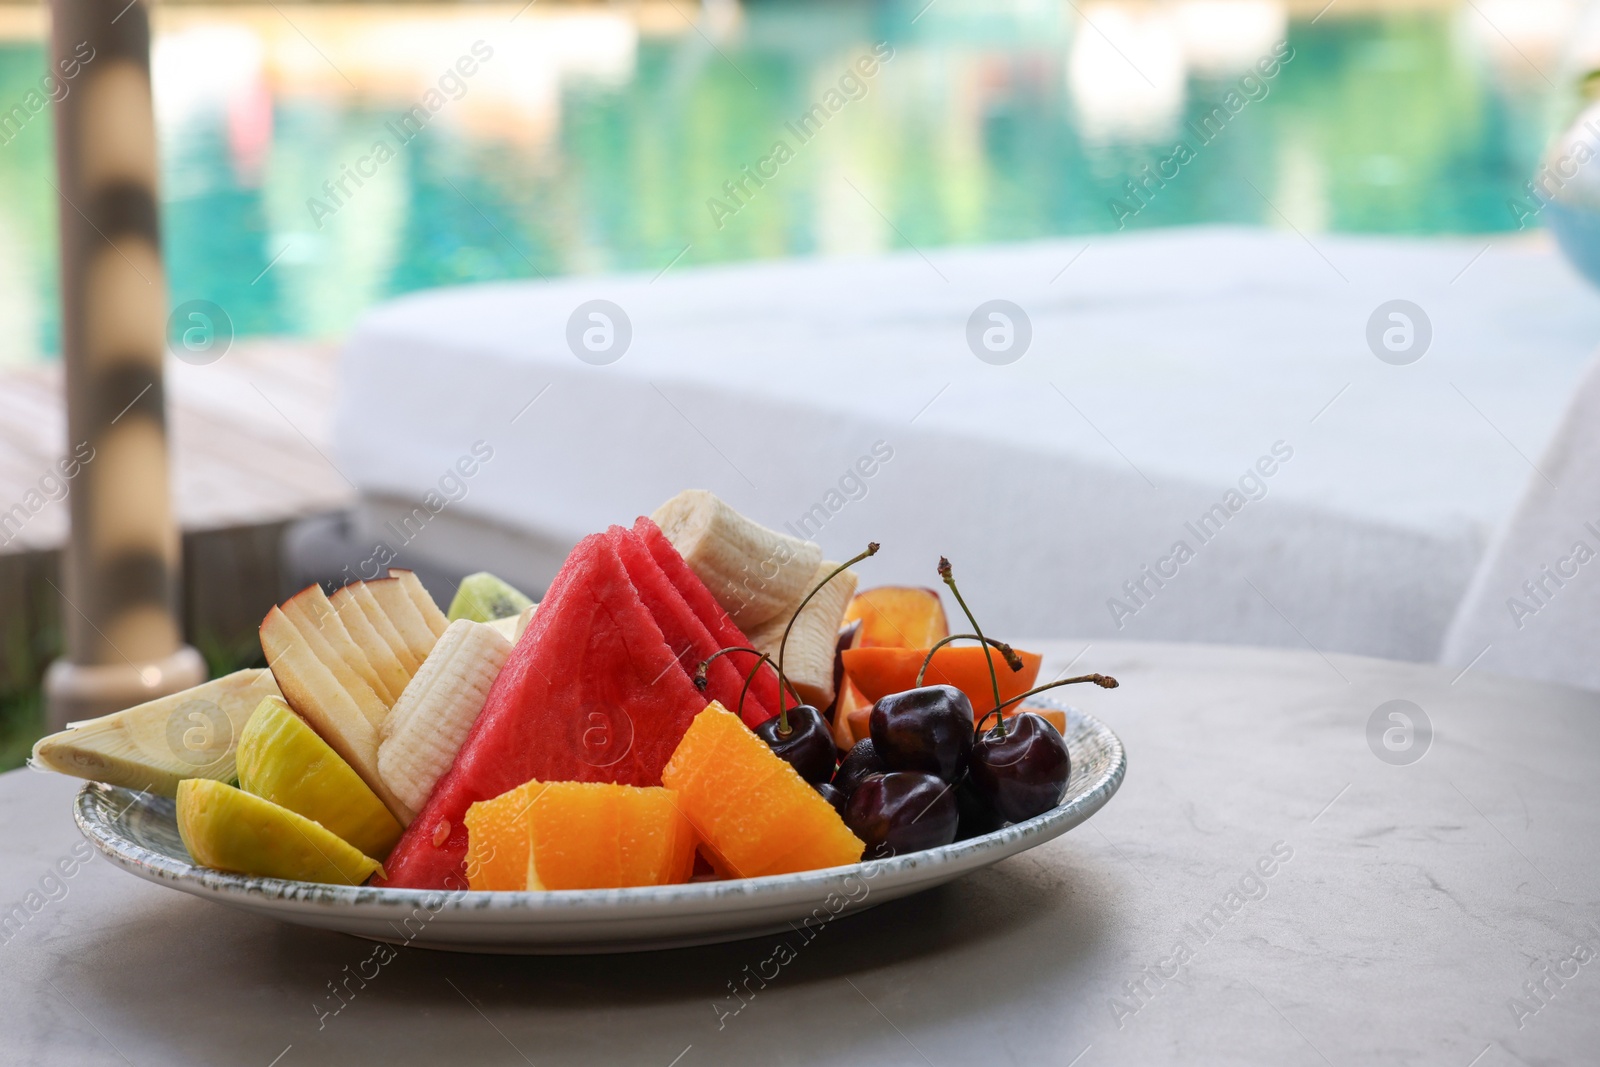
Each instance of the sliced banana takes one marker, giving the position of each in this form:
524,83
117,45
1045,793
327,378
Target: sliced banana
435,713
808,661
513,627
755,573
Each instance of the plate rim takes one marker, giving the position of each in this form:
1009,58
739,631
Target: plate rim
631,902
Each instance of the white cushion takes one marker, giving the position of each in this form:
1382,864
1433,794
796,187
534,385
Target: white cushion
1533,608
1163,365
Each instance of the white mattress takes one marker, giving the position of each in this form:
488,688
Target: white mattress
1163,367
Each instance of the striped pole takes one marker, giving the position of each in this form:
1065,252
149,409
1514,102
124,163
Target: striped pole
124,642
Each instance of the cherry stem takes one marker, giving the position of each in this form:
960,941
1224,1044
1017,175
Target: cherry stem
783,711
761,657
1013,660
994,679
1104,681
750,677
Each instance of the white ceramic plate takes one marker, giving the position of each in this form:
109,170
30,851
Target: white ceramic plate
140,834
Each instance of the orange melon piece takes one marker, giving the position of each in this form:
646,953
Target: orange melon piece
497,838
578,835
595,835
754,813
895,616
850,705
1054,716
877,672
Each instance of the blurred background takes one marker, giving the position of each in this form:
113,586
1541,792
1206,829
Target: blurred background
593,136
593,139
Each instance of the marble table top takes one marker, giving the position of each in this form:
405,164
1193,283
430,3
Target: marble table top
1289,875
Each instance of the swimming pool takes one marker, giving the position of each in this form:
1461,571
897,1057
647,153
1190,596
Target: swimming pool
317,159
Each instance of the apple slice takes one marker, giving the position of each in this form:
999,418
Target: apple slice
361,595
318,621
335,651
380,653
426,607
317,694
396,603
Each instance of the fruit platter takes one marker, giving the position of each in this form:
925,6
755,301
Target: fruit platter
703,731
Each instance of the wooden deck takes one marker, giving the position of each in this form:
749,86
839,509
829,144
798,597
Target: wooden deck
250,438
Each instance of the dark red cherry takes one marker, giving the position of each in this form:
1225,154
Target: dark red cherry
975,815
808,745
927,729
1024,773
859,762
833,795
901,812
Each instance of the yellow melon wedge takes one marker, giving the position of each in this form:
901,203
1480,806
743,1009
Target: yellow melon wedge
230,830
281,759
154,746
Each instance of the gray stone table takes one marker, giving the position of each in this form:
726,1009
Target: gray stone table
1442,911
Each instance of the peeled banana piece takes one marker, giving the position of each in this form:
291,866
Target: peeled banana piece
756,574
512,627
431,719
808,660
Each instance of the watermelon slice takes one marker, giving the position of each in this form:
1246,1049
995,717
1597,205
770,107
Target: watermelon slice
682,628
592,693
763,699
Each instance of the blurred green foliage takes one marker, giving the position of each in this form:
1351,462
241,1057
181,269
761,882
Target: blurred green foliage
22,708
1392,122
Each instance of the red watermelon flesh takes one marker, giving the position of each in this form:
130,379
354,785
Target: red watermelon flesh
763,699
685,633
591,693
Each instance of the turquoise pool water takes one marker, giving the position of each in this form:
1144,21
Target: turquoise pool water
603,138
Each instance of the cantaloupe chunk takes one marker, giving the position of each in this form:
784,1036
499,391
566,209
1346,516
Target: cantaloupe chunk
497,839
595,835
894,616
877,672
753,812
578,835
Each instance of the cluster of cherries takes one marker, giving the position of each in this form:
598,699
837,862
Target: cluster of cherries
925,777
929,773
